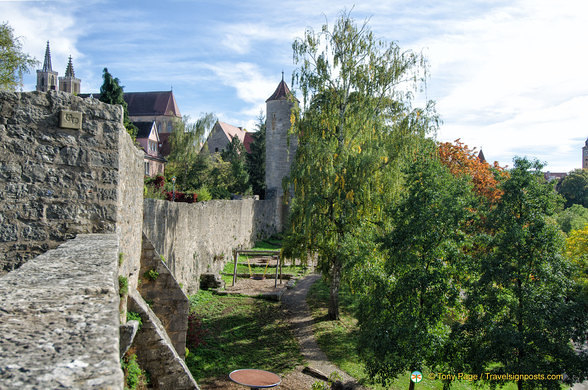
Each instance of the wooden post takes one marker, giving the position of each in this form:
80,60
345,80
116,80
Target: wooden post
280,262
276,279
235,256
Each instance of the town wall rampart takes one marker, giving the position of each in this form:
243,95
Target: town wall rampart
200,237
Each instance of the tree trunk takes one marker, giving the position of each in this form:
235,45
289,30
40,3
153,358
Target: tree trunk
334,292
410,384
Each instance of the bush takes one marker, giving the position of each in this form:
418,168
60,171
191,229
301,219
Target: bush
187,197
123,286
135,377
132,316
203,194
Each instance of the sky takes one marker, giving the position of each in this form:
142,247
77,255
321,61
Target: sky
508,77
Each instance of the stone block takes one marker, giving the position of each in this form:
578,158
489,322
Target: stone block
127,335
70,120
210,281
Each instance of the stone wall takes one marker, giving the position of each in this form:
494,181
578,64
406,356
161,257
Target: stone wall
155,352
66,167
199,237
166,298
59,318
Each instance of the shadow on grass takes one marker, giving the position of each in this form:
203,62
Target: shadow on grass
243,332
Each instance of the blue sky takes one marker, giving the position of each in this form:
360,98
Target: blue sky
510,77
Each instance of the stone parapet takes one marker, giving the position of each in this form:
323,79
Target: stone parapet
60,179
59,318
200,237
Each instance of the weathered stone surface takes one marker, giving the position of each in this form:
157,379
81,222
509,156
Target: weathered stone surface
57,182
59,318
156,353
200,237
127,334
167,300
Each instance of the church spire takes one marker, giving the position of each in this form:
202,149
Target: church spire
69,71
69,83
46,77
47,62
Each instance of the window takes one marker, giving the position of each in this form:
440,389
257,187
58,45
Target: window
152,146
146,163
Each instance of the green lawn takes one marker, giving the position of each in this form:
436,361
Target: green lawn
338,339
248,268
241,332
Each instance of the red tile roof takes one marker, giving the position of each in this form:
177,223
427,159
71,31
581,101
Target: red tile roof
248,140
281,93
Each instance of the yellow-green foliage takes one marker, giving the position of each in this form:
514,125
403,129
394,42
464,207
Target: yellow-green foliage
577,252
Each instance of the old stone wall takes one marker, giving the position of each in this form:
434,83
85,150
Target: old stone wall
166,298
199,237
66,167
59,318
155,351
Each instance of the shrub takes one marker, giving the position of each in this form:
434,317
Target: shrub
203,194
135,377
151,274
132,316
196,332
123,286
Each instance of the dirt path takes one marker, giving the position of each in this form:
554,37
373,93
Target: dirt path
294,301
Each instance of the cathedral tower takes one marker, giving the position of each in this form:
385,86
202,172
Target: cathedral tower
46,77
69,83
280,148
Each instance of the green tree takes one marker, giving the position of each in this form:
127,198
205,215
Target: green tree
355,130
112,92
185,160
403,312
235,154
256,159
573,218
523,308
13,62
574,187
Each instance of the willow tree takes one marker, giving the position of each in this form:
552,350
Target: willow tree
355,128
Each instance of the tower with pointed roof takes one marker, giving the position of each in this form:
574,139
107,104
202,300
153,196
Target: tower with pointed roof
46,77
69,83
280,147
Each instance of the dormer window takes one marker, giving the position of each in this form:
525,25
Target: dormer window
152,146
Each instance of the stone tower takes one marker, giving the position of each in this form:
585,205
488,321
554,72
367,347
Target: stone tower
280,148
585,155
46,77
69,83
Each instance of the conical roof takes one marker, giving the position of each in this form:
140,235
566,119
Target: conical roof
481,156
47,62
69,71
282,92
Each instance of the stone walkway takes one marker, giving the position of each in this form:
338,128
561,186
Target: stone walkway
294,301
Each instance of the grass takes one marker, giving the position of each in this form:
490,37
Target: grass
241,332
270,271
338,339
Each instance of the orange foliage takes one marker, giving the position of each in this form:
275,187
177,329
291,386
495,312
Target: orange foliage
461,160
